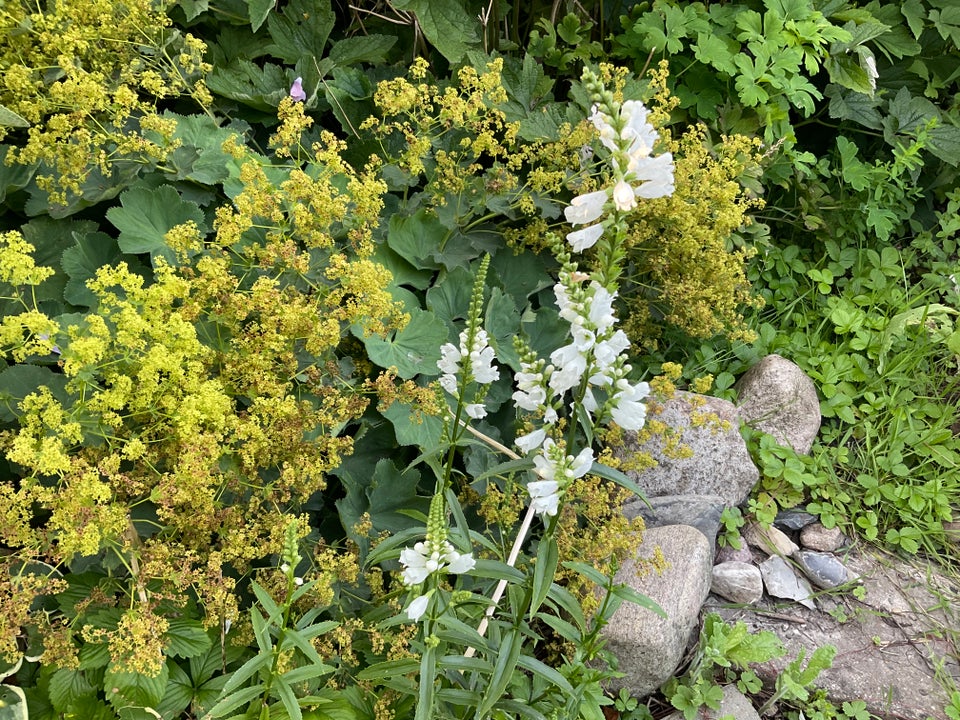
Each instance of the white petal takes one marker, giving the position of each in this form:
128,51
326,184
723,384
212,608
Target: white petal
531,441
586,208
417,607
461,564
586,238
476,410
623,197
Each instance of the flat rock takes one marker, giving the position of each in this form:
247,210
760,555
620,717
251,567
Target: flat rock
793,519
771,540
782,582
699,511
823,569
737,582
777,397
890,646
649,648
718,463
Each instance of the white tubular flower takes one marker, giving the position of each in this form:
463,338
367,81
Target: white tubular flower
570,364
458,563
585,238
417,607
426,558
449,361
623,197
556,471
585,209
476,410
577,467
531,441
637,131
601,121
544,496
656,176
629,411
481,358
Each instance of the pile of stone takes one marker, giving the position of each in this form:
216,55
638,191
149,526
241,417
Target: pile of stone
794,578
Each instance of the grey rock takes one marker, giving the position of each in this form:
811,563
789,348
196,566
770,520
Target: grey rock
719,463
887,655
729,553
734,704
824,570
649,648
737,582
782,582
769,539
699,511
775,396
793,519
817,537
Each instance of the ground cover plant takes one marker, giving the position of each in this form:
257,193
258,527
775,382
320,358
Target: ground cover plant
319,323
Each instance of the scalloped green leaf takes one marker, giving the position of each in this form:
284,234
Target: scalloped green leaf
145,216
414,350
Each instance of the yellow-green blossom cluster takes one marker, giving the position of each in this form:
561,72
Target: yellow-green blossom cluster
86,76
222,434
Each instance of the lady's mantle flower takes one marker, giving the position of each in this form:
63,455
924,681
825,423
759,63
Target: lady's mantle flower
296,90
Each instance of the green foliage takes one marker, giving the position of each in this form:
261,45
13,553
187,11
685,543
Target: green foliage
724,655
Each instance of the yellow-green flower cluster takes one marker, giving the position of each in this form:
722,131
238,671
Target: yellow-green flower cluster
86,75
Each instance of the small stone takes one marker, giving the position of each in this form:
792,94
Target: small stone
734,704
737,582
824,570
793,519
817,537
729,553
769,539
700,511
782,582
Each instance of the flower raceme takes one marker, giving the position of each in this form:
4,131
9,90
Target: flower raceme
556,471
432,558
625,131
477,358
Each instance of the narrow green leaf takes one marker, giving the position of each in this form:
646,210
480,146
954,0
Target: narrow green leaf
289,700
613,475
630,595
391,668
544,571
428,675
232,700
589,572
246,671
545,671
510,646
